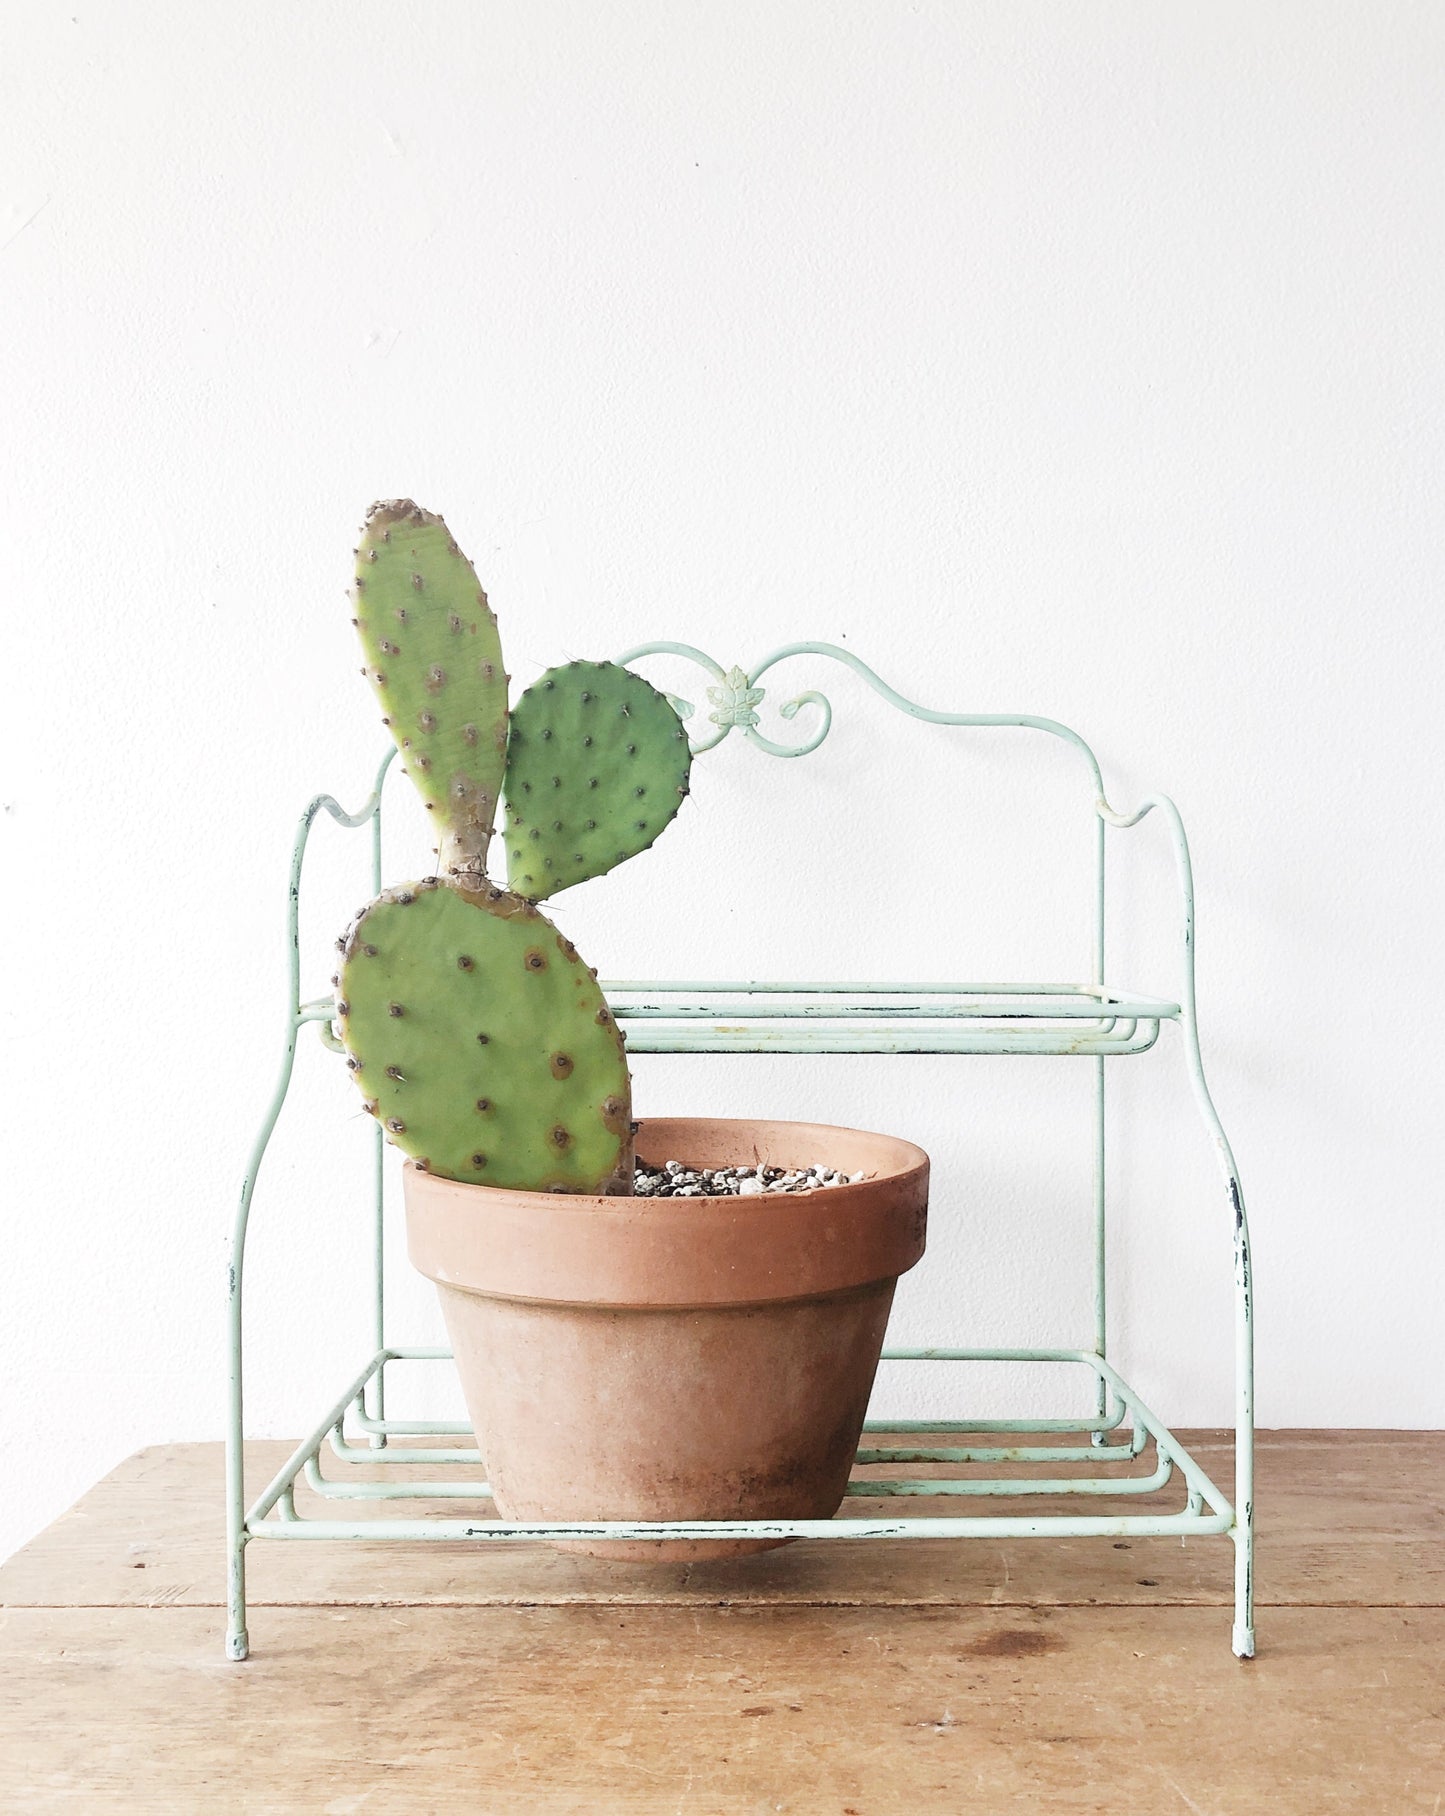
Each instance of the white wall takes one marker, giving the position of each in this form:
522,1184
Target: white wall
1083,360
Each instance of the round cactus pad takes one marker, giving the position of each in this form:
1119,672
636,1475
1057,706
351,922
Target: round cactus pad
597,766
481,1041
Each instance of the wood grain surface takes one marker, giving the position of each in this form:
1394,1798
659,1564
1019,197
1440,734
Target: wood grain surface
846,1680
849,1711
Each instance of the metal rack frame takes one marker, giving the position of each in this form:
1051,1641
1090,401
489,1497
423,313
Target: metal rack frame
1090,1020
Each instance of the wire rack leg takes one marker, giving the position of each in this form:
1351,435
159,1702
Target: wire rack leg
1243,1534
238,1641
1244,1587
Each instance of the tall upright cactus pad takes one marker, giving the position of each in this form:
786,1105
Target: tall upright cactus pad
597,766
435,661
482,1043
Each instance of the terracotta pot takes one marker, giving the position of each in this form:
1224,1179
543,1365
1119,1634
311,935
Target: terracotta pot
675,1359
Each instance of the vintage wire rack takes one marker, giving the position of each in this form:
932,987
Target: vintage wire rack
1088,1020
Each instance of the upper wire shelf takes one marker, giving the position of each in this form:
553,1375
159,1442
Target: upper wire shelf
1048,1019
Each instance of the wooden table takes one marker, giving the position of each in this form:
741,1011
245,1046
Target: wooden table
846,1680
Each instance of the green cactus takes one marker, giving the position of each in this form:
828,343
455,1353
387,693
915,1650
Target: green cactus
479,1039
435,662
597,765
481,1042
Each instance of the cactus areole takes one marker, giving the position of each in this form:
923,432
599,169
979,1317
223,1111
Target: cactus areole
476,1034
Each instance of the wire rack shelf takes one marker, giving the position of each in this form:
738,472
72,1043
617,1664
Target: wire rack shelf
355,1476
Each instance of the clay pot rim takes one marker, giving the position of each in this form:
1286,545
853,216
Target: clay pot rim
571,1248
912,1160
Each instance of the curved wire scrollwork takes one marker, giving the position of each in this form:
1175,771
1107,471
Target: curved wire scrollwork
736,694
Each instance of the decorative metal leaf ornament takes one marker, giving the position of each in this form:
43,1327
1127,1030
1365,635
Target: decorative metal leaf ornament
734,700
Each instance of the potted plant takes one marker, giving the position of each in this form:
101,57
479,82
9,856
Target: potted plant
623,1356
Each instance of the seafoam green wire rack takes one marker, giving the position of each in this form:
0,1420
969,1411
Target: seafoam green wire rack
1123,1452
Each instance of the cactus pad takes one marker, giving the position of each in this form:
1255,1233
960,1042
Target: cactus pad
435,661
597,766
481,1042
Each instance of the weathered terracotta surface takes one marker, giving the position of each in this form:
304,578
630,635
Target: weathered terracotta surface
676,1358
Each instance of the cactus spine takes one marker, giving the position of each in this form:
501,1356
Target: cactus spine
478,1038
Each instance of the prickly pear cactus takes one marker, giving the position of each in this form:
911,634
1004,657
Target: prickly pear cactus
597,766
434,659
479,1039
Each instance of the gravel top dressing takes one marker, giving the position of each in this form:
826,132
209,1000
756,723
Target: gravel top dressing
674,1180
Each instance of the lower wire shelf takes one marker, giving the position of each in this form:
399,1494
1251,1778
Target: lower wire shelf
1111,1460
